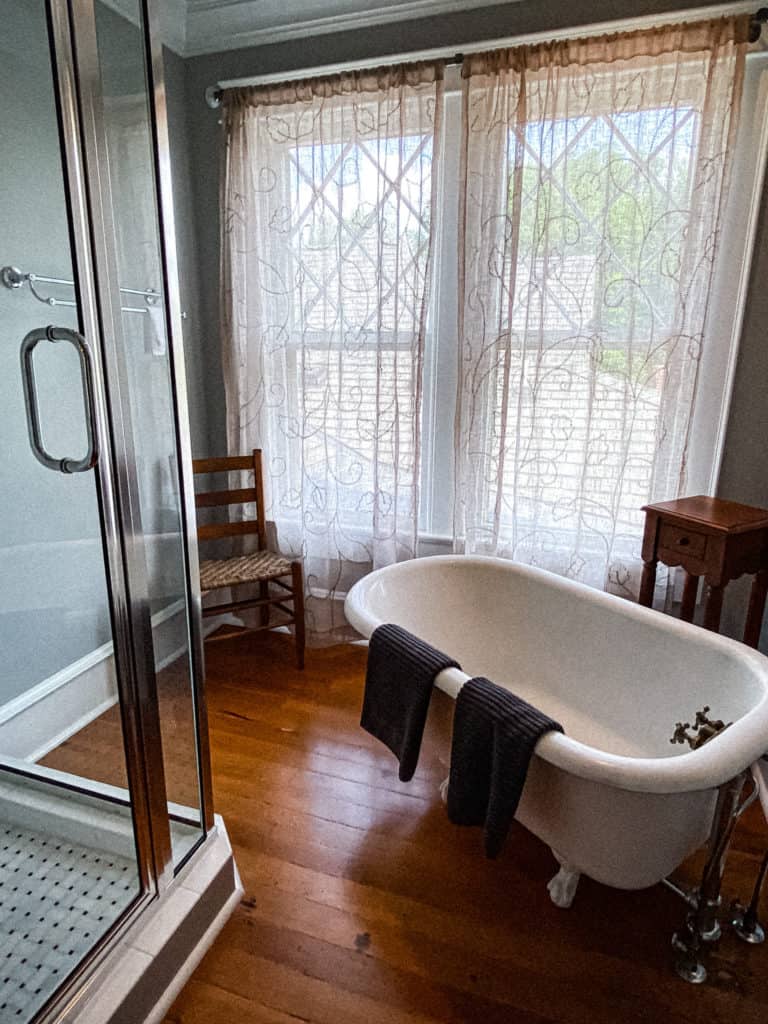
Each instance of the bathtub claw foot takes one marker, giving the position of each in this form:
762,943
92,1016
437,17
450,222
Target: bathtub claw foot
562,888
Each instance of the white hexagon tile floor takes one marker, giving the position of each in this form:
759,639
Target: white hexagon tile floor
57,898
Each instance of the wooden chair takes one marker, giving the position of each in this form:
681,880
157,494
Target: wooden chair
260,567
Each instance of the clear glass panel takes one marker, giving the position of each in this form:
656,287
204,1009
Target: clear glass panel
57,669
137,243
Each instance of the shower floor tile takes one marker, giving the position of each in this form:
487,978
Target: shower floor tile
57,898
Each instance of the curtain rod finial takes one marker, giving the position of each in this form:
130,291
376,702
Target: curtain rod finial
213,97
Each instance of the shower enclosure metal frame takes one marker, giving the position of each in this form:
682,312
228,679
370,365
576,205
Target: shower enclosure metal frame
75,66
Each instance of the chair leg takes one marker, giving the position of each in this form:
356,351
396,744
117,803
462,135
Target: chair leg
297,579
264,610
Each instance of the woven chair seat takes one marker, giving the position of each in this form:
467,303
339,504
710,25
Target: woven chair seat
253,568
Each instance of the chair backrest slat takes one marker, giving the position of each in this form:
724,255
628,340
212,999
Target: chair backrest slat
224,464
210,499
214,531
234,496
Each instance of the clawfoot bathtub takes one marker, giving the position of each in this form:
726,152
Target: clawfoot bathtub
611,797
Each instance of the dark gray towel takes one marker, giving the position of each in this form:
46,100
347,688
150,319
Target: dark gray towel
398,684
494,733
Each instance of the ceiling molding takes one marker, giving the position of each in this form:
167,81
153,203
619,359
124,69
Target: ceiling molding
213,25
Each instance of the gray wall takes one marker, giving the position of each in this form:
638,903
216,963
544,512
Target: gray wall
52,597
744,473
745,468
53,603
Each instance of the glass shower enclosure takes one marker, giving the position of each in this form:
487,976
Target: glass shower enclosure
104,770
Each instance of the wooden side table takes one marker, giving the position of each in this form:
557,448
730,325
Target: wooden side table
719,540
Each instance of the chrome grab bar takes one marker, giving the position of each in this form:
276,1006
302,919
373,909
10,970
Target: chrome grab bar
28,345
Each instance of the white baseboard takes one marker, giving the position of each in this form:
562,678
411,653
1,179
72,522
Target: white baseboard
37,721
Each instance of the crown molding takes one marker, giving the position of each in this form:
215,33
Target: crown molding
214,25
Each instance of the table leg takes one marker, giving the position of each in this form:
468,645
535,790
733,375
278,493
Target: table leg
757,598
648,583
690,593
714,608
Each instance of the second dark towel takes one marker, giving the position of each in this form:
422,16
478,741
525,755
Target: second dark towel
494,734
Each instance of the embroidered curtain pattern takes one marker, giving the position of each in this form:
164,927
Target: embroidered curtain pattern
328,192
594,178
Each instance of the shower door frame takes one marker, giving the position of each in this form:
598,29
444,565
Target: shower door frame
161,154
85,67
74,59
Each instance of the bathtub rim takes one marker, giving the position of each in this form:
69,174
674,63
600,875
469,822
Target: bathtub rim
716,763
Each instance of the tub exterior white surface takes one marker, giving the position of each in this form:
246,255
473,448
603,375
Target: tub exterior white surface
611,796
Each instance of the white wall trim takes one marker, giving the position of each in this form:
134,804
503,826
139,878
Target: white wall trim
42,718
37,694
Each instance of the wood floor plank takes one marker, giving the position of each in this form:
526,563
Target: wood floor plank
300,780
209,1003
380,775
275,983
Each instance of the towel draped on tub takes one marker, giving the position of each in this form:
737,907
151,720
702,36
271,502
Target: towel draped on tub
494,731
494,736
398,684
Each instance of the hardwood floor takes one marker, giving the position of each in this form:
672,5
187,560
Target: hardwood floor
364,905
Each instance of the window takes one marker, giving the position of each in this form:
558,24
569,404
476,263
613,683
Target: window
602,203
350,261
327,254
359,232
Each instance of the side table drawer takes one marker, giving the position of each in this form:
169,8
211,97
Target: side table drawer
683,542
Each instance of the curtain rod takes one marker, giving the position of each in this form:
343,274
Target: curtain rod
759,18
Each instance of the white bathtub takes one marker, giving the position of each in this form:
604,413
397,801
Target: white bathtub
612,797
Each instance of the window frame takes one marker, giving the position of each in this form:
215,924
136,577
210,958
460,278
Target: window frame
729,295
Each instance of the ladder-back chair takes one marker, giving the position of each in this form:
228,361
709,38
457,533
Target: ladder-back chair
262,567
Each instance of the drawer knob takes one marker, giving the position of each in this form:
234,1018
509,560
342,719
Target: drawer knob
684,541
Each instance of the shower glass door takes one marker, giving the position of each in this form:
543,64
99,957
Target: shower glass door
103,785
64,882
114,65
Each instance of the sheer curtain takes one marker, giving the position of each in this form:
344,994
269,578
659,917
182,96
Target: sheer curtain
327,247
594,179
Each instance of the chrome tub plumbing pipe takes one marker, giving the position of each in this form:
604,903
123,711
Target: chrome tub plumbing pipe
744,921
702,925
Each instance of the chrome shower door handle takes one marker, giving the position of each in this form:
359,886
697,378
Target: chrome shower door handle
54,334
